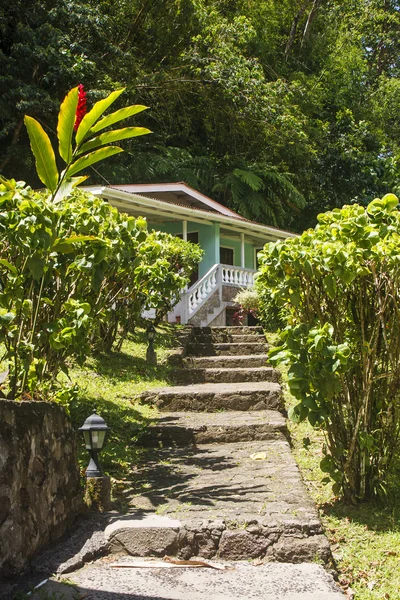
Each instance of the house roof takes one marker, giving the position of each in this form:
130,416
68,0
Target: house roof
178,193
180,201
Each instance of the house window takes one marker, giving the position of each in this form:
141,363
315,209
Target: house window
192,236
226,256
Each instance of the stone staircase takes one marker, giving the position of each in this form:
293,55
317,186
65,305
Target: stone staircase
219,479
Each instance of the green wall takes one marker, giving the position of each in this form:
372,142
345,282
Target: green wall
236,245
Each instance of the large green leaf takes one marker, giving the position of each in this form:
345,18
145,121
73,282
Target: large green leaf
66,245
93,115
90,159
66,122
67,186
118,115
43,152
113,136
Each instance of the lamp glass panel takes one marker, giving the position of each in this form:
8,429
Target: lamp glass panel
98,438
86,437
150,335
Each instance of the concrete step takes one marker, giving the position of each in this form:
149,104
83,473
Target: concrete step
193,428
229,362
236,501
228,349
211,397
225,375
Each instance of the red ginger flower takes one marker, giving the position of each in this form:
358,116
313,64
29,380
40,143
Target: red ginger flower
81,108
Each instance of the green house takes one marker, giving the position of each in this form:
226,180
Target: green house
230,243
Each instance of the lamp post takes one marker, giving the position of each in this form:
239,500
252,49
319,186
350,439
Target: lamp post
151,355
98,487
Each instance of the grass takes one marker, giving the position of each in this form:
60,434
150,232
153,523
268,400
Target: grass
365,539
111,383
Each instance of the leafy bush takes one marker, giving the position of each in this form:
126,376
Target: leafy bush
59,273
248,299
340,287
155,280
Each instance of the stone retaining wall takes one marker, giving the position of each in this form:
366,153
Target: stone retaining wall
40,489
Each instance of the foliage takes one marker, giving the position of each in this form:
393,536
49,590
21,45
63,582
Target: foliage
154,281
340,287
248,299
259,104
56,261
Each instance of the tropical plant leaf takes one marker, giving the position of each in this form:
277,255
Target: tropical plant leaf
118,115
43,152
91,158
66,245
65,126
251,179
93,115
67,186
113,136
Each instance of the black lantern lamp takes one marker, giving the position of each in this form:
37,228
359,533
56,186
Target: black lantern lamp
94,432
151,356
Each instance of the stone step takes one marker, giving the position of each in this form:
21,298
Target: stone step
211,397
229,362
227,349
193,428
235,501
131,578
225,375
218,338
233,330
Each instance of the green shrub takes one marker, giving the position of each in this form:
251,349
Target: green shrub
61,268
340,287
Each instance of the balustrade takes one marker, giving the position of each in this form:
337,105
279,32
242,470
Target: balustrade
217,276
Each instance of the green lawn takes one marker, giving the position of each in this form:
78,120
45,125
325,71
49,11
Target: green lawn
365,539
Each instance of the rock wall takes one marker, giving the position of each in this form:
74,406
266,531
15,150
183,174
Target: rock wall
40,488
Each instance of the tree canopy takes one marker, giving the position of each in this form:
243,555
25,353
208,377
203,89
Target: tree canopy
280,109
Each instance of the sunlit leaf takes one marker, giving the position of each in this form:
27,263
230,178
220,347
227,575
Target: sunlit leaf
65,126
93,115
113,136
67,186
118,115
92,158
43,152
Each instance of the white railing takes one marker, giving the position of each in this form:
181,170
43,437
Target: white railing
237,276
213,281
201,290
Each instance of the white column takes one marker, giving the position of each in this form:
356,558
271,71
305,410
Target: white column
184,231
242,255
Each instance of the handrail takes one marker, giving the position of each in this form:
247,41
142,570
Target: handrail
240,276
201,290
213,280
